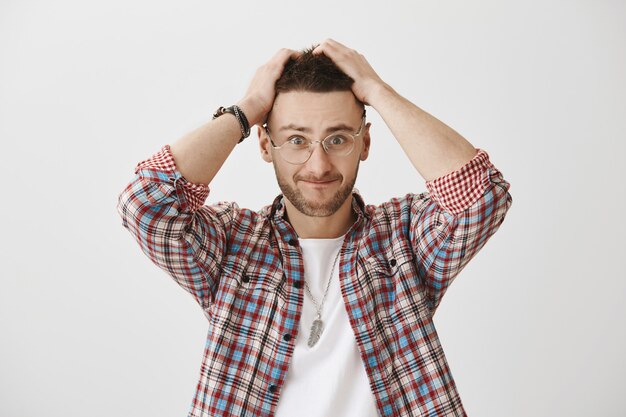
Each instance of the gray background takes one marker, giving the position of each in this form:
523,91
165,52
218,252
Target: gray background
534,326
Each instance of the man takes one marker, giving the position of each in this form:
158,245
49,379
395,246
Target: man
318,304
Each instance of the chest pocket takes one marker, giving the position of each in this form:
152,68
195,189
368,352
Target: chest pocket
410,288
392,280
260,277
377,277
248,285
388,265
393,299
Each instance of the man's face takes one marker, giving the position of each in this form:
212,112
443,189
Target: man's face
321,185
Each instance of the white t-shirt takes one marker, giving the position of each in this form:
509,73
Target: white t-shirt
328,379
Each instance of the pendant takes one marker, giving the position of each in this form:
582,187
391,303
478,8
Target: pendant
316,331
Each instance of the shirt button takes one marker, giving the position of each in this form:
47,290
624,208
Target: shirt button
245,278
297,284
392,262
287,337
293,242
273,388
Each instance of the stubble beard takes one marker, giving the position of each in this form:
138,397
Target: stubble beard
308,208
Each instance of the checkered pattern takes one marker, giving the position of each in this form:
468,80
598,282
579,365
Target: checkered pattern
193,195
460,189
245,270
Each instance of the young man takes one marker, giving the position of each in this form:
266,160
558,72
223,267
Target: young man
318,304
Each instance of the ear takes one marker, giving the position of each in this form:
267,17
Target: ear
264,144
365,149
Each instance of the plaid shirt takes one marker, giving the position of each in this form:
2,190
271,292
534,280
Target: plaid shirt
245,269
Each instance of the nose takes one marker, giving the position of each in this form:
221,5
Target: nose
319,162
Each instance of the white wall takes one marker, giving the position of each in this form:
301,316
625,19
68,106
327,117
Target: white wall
534,326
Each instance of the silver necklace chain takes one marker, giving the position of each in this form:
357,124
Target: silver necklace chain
318,324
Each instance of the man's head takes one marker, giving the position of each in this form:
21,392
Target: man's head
314,99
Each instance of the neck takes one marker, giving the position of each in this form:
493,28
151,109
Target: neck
329,227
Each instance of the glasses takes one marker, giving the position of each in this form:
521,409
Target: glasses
297,149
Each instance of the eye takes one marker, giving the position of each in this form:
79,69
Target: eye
337,140
297,141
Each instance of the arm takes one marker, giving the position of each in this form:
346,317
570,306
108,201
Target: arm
468,197
433,148
164,214
162,207
449,225
200,154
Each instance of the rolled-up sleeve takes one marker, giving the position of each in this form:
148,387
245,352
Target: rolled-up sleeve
167,217
454,220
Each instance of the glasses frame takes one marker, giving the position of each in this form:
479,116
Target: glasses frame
322,142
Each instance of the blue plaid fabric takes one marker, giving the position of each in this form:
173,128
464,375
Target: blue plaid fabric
245,270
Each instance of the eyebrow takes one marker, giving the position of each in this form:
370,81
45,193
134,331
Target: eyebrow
340,126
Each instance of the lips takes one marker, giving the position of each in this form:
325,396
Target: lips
316,185
319,182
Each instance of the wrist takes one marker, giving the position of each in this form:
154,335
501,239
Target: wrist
379,94
253,110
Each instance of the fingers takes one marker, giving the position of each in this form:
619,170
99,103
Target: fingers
260,94
331,47
348,60
354,65
284,54
277,63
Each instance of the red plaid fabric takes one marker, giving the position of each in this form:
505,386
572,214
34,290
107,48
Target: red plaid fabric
245,270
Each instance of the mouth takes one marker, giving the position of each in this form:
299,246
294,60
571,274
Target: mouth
316,183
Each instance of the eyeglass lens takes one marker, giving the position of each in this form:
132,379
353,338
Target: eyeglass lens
297,150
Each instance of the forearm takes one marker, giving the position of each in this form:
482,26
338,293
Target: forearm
200,154
433,148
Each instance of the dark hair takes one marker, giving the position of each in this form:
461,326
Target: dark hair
315,73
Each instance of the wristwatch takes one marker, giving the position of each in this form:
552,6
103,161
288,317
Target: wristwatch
241,118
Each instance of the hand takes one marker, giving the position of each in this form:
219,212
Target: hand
354,64
259,97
